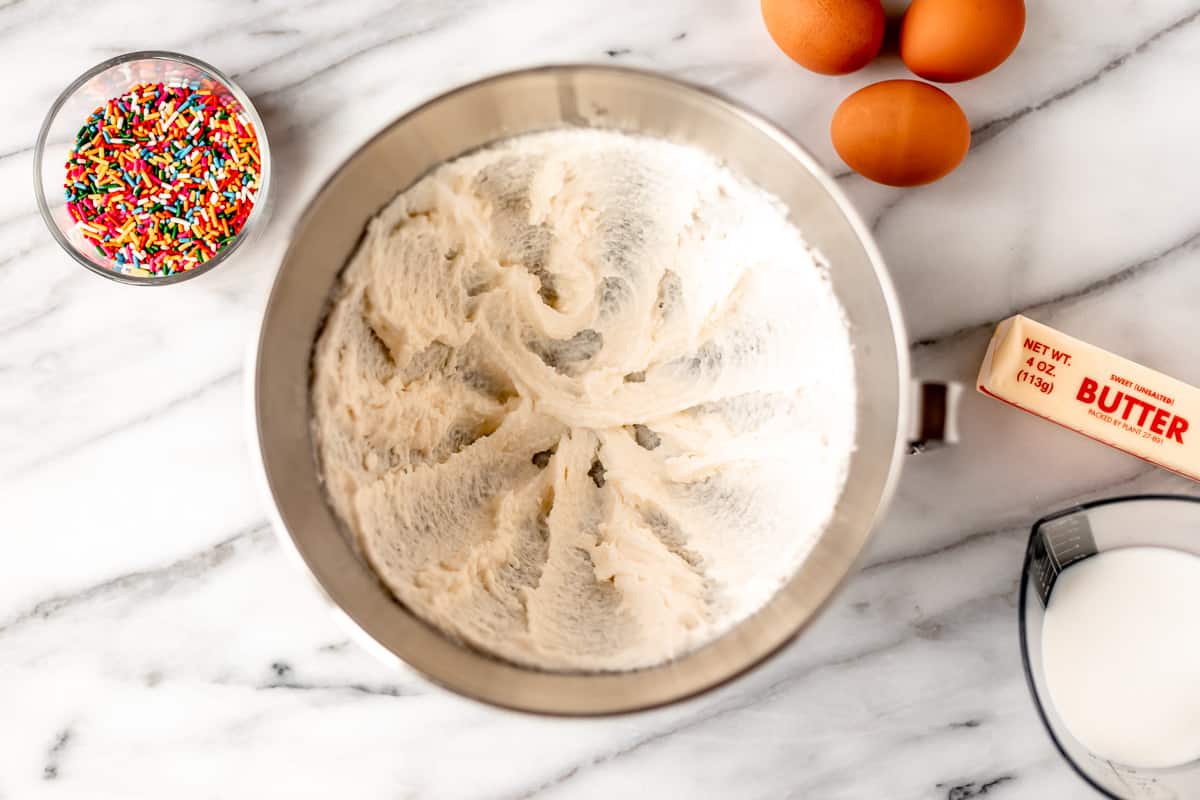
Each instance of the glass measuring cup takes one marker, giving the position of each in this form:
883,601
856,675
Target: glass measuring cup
1056,542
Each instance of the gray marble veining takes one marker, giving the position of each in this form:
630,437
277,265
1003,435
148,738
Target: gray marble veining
155,641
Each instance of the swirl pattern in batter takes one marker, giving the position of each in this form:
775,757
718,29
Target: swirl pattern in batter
584,399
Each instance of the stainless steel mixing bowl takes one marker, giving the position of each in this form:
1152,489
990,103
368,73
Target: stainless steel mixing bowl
469,118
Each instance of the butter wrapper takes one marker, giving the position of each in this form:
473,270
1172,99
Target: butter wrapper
1094,392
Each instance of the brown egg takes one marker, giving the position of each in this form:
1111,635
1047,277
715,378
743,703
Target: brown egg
832,37
902,133
954,40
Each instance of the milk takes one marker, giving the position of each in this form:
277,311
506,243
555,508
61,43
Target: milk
1121,655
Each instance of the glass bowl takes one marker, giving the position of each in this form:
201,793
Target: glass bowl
90,91
1056,542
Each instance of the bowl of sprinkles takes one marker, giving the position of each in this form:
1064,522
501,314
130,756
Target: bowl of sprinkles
152,168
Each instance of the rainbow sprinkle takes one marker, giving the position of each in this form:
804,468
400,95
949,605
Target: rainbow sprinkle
162,177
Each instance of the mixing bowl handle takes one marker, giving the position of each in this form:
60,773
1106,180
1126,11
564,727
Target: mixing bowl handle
934,415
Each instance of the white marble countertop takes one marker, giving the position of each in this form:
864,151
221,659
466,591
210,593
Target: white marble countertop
154,640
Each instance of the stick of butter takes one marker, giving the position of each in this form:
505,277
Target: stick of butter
1111,399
